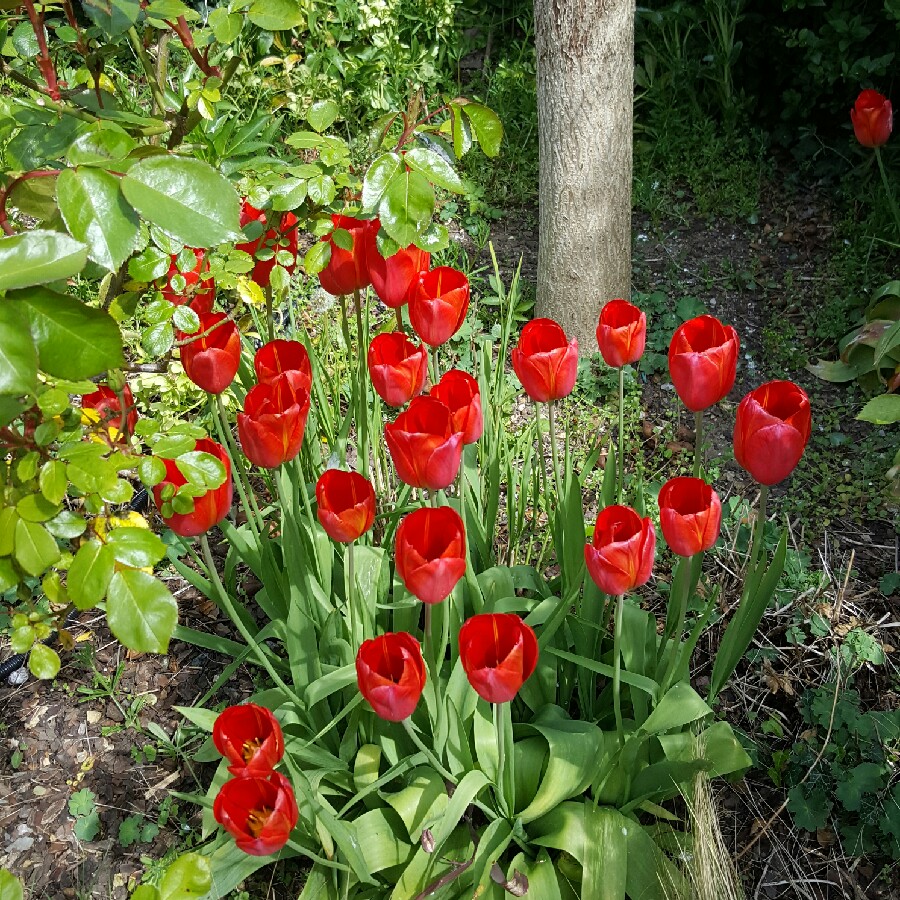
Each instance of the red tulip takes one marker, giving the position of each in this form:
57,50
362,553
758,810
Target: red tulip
458,391
346,504
105,402
282,237
272,424
250,738
498,652
277,357
397,367
212,361
873,118
348,270
259,812
430,551
545,361
198,293
621,333
703,361
771,430
690,515
210,508
390,673
395,277
424,446
438,305
620,556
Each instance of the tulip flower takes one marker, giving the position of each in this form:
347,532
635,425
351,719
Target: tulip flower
621,333
198,293
210,508
499,652
545,361
348,270
424,446
873,118
272,424
458,391
397,367
390,673
275,240
211,360
259,812
771,431
395,277
430,552
250,738
690,515
346,504
277,357
703,361
620,556
438,306
106,404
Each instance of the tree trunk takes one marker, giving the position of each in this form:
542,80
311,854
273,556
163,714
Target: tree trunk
585,70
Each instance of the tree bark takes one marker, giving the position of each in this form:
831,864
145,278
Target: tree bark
585,71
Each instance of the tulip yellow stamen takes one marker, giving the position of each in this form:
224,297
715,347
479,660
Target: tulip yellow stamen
249,749
257,819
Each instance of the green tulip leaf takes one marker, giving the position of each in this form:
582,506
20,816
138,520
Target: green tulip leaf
38,257
140,611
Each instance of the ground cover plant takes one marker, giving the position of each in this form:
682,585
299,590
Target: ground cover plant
453,689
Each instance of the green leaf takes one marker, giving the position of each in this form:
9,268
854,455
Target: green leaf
202,718
136,547
487,127
866,778
322,113
606,853
108,144
38,257
406,207
82,803
18,357
276,15
189,876
140,611
317,257
87,827
158,339
225,26
186,198
129,830
36,508
377,179
35,548
8,519
22,639
152,263
835,371
151,470
67,525
201,469
8,576
53,481
96,214
10,886
434,238
881,410
810,807
43,662
435,168
145,892
90,574
114,17
186,320
72,340
680,706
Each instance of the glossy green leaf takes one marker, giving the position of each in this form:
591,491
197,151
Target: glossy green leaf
10,886
36,508
186,198
18,357
73,340
435,168
151,470
90,574
8,576
322,114
97,215
99,148
22,639
43,662
114,17
189,876
378,177
606,853
136,547
680,706
421,803
276,15
835,371
53,481
35,197
8,519
881,410
186,320
35,548
379,834
67,525
152,263
487,127
225,26
201,469
317,257
38,257
140,611
406,208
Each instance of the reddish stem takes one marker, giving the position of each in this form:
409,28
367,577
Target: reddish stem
5,192
73,23
45,64
180,27
410,127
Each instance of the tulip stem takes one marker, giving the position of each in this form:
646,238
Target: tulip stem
429,643
887,189
617,668
551,413
399,312
432,759
225,600
351,594
698,443
501,756
620,467
435,370
245,491
759,527
270,318
363,407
